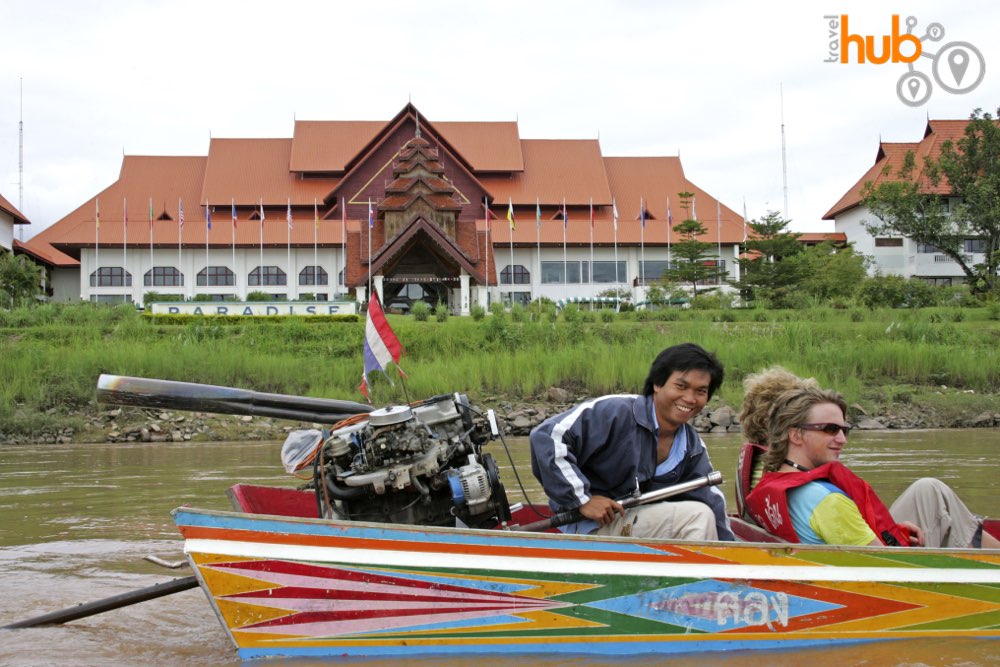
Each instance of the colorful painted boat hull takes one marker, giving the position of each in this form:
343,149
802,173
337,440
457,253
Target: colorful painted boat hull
285,586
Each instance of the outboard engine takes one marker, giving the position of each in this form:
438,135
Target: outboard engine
420,464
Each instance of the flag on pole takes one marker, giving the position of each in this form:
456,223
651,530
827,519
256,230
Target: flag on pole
125,217
288,213
744,221
233,204
150,215
97,213
262,212
694,212
538,213
510,213
642,212
565,216
208,216
180,213
315,213
381,345
614,213
371,214
670,216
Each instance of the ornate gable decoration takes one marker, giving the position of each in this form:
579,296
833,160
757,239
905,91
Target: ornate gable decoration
419,189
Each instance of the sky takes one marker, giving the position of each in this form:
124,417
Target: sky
730,86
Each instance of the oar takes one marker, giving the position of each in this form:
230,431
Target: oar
713,478
107,604
151,393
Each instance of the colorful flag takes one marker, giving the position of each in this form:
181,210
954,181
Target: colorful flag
591,212
670,217
208,216
510,213
97,213
744,220
151,215
315,213
538,213
614,213
125,216
371,214
381,345
232,203
288,214
694,213
642,212
565,216
262,212
180,213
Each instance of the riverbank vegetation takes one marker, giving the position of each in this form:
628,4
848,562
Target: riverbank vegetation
938,360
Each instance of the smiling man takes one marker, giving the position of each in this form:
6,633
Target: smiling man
606,448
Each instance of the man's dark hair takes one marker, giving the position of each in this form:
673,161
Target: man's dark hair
684,357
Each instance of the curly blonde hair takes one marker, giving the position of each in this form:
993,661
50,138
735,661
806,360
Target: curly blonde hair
759,391
788,411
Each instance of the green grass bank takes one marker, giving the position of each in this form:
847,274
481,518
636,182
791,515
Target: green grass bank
942,361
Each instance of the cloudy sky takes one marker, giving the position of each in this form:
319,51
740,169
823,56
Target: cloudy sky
702,79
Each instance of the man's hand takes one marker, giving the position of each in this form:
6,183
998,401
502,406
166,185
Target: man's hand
601,509
916,533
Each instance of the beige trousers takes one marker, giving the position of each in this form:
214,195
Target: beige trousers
681,520
935,507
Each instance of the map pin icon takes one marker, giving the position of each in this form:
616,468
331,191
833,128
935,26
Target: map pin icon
958,62
914,86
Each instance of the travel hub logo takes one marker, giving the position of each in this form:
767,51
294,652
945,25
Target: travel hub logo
956,67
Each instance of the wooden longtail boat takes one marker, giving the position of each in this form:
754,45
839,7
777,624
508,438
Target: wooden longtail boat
286,585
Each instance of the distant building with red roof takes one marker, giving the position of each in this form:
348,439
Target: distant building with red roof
893,253
439,192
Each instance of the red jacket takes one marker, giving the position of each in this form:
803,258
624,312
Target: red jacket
768,502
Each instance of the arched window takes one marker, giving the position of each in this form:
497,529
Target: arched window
340,277
215,276
111,276
163,276
268,275
521,275
313,275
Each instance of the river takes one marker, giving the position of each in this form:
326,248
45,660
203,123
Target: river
78,520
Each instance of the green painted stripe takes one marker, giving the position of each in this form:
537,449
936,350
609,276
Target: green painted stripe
982,621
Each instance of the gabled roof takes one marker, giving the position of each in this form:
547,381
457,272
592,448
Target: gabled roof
890,157
12,211
554,170
249,170
47,255
436,236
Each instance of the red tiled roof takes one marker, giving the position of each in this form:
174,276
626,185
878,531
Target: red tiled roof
251,169
45,253
11,210
486,146
329,145
890,158
820,237
554,170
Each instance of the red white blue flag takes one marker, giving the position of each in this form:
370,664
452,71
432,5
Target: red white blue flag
381,345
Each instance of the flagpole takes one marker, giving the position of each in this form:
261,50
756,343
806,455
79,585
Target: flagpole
288,232
236,282
618,280
371,223
538,246
670,224
316,246
151,277
260,269
343,239
124,238
591,271
208,226
718,224
180,233
97,247
642,241
565,263
486,212
510,219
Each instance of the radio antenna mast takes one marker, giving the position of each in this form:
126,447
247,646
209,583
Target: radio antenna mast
784,163
20,157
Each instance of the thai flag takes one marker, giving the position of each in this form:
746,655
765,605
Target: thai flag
381,345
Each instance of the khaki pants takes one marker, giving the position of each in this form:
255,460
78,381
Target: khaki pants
935,507
681,520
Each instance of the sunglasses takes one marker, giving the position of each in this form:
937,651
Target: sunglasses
828,428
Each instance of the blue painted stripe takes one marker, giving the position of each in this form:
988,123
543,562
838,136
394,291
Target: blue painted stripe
496,538
588,647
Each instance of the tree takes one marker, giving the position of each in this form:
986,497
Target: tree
693,261
831,272
20,279
765,272
909,203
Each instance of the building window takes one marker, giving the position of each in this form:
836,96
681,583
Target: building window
653,270
340,277
975,245
888,243
313,275
554,273
927,249
111,276
521,275
214,276
938,282
510,298
163,276
720,266
268,275
610,272
110,298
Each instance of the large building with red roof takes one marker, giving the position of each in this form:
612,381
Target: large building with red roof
9,217
290,217
894,254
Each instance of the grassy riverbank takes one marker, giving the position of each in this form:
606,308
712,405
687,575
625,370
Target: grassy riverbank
941,361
